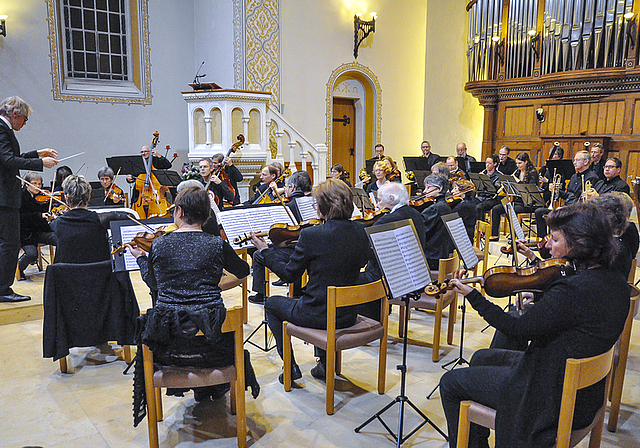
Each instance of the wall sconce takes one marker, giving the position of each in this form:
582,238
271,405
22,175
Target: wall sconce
499,43
535,42
3,25
631,27
361,29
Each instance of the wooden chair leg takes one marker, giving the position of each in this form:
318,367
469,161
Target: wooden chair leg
453,310
463,425
338,363
331,381
152,422
158,392
63,364
267,284
245,293
437,327
18,276
286,354
232,398
595,438
126,351
382,365
39,250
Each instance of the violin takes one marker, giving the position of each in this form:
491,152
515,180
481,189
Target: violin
504,281
144,240
44,197
370,216
540,246
455,199
281,235
151,194
114,193
421,200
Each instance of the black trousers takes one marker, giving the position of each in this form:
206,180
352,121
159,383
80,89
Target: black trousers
483,207
498,211
541,223
9,247
31,250
482,382
258,271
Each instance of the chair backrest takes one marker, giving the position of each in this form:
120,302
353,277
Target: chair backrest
481,227
447,267
339,296
632,272
233,321
580,373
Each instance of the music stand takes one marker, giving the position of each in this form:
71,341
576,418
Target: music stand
477,167
369,164
483,183
361,199
530,194
133,165
564,167
405,274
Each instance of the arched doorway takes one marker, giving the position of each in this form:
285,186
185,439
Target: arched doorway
353,116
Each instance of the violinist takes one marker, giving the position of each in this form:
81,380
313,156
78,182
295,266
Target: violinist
82,234
578,316
268,175
525,173
332,253
454,171
382,169
34,222
438,244
442,169
213,183
232,172
486,201
461,202
337,172
297,185
185,267
157,161
113,194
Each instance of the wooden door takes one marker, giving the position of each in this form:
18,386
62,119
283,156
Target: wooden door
343,142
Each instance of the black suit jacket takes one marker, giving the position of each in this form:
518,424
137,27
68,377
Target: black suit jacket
31,220
509,167
11,162
437,242
333,254
615,184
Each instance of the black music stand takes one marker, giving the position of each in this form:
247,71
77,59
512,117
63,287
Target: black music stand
405,286
483,183
477,167
361,199
564,167
530,194
133,165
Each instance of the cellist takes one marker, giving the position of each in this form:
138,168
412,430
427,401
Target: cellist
232,172
159,162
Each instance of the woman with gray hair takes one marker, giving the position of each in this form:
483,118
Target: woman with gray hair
81,233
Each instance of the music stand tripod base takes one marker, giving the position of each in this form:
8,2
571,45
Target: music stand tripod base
402,398
266,348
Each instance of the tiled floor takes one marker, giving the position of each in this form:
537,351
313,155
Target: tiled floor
91,407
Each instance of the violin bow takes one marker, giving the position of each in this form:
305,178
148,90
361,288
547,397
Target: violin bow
111,187
150,229
44,193
289,213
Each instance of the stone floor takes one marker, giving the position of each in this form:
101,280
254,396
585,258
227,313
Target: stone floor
91,406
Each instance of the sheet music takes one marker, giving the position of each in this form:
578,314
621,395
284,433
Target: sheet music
128,233
513,217
215,209
461,240
238,222
356,212
305,206
401,259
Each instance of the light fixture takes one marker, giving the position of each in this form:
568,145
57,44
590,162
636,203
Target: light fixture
361,29
3,25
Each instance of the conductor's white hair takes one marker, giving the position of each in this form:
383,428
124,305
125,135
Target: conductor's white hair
394,193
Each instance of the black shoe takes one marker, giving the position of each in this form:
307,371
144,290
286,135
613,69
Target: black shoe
319,371
22,276
13,297
279,283
296,374
257,299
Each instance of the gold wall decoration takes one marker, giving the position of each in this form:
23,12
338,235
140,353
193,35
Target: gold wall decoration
136,92
262,48
373,100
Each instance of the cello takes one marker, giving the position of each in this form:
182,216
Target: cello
151,195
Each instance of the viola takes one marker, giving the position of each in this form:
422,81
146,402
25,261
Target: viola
540,246
144,240
504,281
370,216
264,197
114,193
151,194
43,197
421,200
455,199
281,235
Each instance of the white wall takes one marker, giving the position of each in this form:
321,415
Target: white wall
450,114
102,130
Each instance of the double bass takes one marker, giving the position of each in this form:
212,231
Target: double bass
220,171
151,194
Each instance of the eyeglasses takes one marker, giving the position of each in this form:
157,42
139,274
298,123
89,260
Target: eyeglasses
611,167
25,118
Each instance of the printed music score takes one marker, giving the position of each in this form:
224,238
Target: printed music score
126,234
306,208
400,257
238,222
455,226
513,217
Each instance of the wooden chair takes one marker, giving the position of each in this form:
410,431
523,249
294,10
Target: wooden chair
40,259
632,273
579,373
335,340
157,377
437,304
620,362
267,272
482,252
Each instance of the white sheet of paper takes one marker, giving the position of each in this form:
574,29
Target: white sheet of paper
516,224
306,208
462,242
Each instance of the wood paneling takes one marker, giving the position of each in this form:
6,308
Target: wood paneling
636,118
518,120
590,118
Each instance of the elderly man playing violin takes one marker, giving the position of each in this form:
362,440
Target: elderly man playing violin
578,316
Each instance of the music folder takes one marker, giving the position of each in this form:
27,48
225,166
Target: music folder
400,256
122,232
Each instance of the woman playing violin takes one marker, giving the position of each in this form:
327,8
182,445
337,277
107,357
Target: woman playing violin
34,222
332,253
437,241
461,202
81,233
577,316
337,172
112,193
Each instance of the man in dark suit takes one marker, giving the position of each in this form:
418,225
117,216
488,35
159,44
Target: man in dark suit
612,180
597,160
437,241
231,171
14,114
506,165
332,254
431,158
464,159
